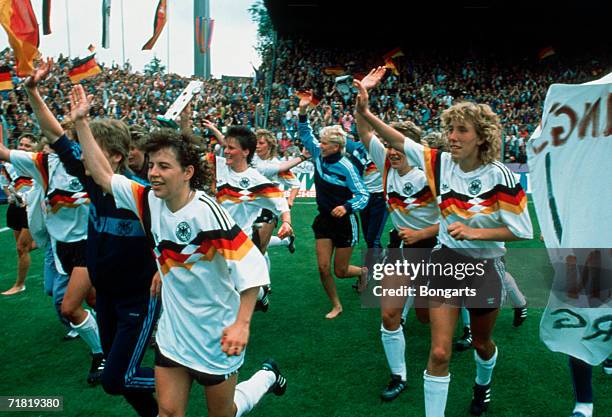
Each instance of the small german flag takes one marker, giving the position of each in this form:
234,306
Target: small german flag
6,82
546,52
394,53
84,68
391,65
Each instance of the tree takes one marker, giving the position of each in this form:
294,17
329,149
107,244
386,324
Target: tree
154,67
265,30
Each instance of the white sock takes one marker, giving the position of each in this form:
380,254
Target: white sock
277,241
584,408
436,392
484,369
516,296
394,345
260,294
249,392
407,305
88,330
465,317
267,258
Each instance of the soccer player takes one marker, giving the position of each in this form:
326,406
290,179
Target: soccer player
482,206
341,193
16,187
414,215
210,272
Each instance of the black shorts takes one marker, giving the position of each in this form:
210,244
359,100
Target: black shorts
72,255
480,291
343,231
201,378
266,216
16,217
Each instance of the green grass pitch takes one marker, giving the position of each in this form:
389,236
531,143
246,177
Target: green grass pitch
334,368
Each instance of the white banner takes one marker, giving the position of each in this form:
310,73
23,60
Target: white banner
569,160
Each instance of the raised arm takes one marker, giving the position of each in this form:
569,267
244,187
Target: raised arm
364,130
220,137
5,153
49,125
94,159
304,128
392,136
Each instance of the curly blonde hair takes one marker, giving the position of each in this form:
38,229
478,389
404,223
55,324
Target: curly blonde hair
436,140
485,122
334,134
270,140
408,129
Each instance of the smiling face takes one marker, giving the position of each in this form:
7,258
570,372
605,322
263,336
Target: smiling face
328,148
235,156
136,158
263,149
463,141
168,178
397,159
26,144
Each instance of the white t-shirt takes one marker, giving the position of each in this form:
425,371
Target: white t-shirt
205,261
487,197
409,200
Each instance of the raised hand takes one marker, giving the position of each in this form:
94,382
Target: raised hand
373,78
361,102
305,100
39,74
79,103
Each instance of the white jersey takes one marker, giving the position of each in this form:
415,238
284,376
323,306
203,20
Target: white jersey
66,202
9,177
245,194
269,168
205,261
409,200
487,197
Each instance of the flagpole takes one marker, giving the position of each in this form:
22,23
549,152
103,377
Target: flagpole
68,29
122,35
168,39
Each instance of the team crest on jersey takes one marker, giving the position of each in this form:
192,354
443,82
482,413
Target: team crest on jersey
408,188
475,186
125,227
183,231
75,185
244,182
444,187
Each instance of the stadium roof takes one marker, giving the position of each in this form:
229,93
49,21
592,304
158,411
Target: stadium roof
421,25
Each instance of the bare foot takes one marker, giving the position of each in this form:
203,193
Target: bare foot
335,312
14,290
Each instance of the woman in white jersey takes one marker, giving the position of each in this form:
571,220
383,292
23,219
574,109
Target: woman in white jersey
414,214
210,271
482,206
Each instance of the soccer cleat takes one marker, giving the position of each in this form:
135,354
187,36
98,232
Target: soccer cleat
97,368
520,315
280,384
481,399
394,389
291,245
264,303
577,414
607,366
465,341
71,335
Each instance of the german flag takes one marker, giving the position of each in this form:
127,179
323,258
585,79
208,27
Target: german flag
337,70
158,24
391,65
84,68
313,102
546,52
19,22
6,82
394,53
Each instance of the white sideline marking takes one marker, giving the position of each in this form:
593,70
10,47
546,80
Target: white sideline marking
306,203
5,229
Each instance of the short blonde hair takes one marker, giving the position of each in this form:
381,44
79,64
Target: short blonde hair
334,134
270,140
436,140
408,129
486,123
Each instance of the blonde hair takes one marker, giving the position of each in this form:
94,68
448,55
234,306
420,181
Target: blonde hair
114,137
334,134
486,123
436,140
408,129
270,140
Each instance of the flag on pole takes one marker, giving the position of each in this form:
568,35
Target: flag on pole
19,22
46,17
391,65
83,68
6,81
158,24
394,53
546,52
106,9
313,101
203,32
